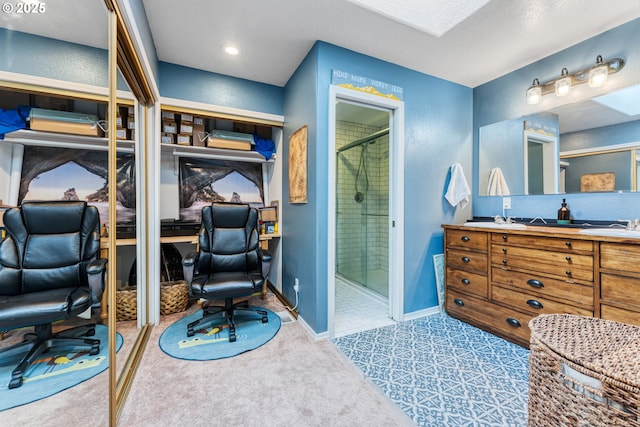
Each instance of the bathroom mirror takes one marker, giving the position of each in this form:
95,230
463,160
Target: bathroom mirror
598,144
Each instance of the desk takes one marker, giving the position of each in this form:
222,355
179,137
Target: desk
104,253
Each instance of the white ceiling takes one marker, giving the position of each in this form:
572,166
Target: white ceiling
274,36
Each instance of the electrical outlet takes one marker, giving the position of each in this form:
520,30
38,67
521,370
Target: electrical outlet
296,285
506,203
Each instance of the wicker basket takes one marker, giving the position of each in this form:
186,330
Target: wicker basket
583,371
174,298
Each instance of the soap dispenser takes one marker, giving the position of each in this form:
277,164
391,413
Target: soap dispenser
564,214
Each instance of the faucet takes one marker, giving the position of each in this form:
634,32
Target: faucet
500,220
632,224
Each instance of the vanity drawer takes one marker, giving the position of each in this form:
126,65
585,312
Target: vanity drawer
552,288
473,240
550,243
467,260
625,290
620,256
533,303
466,281
505,322
571,266
609,312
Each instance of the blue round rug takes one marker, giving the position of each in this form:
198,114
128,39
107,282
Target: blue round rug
54,372
213,342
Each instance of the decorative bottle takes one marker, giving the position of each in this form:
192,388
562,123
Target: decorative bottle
564,214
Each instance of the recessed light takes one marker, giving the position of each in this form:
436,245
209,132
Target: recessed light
231,50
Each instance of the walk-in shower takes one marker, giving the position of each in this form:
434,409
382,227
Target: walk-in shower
362,205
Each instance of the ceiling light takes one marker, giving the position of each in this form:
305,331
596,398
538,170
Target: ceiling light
599,73
563,84
231,50
534,93
595,76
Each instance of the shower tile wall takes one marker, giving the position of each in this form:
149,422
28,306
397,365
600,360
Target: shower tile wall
362,236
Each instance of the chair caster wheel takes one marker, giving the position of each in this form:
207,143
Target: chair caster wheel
232,337
265,319
190,332
15,382
91,332
94,350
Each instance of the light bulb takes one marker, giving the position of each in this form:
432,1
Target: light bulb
534,93
563,85
599,73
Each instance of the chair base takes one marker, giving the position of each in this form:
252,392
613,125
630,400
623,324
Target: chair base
42,341
210,314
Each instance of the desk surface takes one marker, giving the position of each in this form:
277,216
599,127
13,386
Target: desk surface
104,241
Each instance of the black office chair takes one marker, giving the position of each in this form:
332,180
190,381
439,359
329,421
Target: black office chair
229,264
49,271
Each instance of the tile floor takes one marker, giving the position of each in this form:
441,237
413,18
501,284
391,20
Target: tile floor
358,310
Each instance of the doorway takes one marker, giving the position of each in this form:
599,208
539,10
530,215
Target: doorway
365,262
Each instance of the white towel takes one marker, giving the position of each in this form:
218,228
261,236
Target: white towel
458,191
497,184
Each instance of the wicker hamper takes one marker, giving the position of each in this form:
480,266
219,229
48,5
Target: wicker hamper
174,298
583,371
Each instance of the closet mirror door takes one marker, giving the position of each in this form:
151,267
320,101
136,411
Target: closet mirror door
131,104
54,56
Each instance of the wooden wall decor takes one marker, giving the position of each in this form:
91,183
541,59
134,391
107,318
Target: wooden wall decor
604,181
298,166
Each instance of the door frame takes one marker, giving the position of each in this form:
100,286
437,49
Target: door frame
396,198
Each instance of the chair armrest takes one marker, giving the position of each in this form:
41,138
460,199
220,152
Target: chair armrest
265,256
188,265
265,259
96,277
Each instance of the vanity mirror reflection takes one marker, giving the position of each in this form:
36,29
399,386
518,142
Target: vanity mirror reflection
587,146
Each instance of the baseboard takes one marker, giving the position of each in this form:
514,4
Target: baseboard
283,299
422,313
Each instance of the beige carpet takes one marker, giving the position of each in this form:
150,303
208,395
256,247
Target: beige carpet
290,381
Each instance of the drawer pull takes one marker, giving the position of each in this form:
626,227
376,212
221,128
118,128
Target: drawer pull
568,258
465,238
535,304
504,261
465,259
535,283
459,302
513,322
504,237
504,250
568,272
568,243
465,281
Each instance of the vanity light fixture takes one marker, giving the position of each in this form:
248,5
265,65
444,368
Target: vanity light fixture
599,73
534,93
563,84
595,76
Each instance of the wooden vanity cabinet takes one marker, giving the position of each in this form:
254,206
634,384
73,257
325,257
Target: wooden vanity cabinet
620,282
538,271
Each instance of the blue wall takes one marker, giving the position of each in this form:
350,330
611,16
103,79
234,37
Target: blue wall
301,242
504,98
44,57
177,81
438,123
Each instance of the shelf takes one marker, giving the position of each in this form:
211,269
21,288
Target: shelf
64,140
217,153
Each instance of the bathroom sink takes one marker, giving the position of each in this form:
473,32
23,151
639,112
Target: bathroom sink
487,224
612,232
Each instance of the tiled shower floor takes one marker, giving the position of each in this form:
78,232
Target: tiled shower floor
358,309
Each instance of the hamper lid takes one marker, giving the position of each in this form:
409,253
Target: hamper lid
603,346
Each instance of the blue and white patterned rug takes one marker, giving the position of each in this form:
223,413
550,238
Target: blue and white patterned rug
443,372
